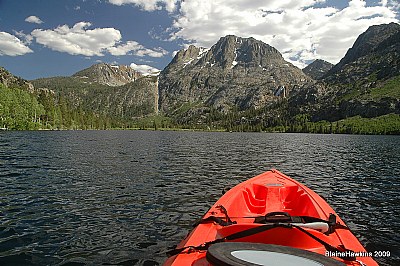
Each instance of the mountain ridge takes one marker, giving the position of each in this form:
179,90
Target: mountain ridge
352,86
318,69
135,97
234,73
239,81
366,43
10,80
106,74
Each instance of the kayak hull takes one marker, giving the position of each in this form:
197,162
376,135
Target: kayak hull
269,193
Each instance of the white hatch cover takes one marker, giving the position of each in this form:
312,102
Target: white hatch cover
267,258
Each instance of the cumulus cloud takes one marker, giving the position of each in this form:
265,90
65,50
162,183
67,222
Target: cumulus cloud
78,40
149,5
145,69
11,45
302,30
134,48
34,19
124,49
392,4
25,38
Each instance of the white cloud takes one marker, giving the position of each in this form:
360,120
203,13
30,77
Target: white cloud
149,5
25,38
393,5
174,53
134,48
34,19
124,49
158,52
78,40
11,45
301,30
145,70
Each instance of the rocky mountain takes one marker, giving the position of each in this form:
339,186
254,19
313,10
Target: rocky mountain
235,73
83,100
115,91
317,69
111,75
365,82
375,52
237,82
10,80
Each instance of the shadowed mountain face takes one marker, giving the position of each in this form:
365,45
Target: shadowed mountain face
365,82
317,69
234,73
376,51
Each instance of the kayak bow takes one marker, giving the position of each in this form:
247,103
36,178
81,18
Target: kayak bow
270,219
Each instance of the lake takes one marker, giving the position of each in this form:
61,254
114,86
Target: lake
126,197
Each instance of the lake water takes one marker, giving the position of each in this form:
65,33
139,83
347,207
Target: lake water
125,197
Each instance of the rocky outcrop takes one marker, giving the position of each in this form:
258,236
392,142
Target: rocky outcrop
375,52
111,75
236,72
241,74
352,87
134,99
95,90
9,80
317,69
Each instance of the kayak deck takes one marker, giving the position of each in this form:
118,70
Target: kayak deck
240,208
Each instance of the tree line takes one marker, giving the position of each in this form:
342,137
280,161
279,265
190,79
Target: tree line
23,110
44,109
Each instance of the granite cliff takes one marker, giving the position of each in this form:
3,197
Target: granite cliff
317,69
235,73
106,74
366,82
236,82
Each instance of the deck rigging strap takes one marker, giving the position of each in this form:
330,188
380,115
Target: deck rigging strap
213,219
217,220
263,228
275,217
283,217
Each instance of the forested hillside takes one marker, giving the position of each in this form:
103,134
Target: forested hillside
24,107
239,84
19,109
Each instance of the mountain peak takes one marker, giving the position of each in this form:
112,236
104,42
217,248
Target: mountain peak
111,75
234,72
317,69
232,50
368,42
228,52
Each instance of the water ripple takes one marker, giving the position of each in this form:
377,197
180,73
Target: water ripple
125,197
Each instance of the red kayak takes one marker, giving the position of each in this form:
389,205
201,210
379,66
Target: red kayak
270,219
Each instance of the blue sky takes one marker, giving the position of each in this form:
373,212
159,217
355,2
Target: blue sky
43,38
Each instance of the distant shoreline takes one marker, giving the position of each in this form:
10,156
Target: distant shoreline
202,130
